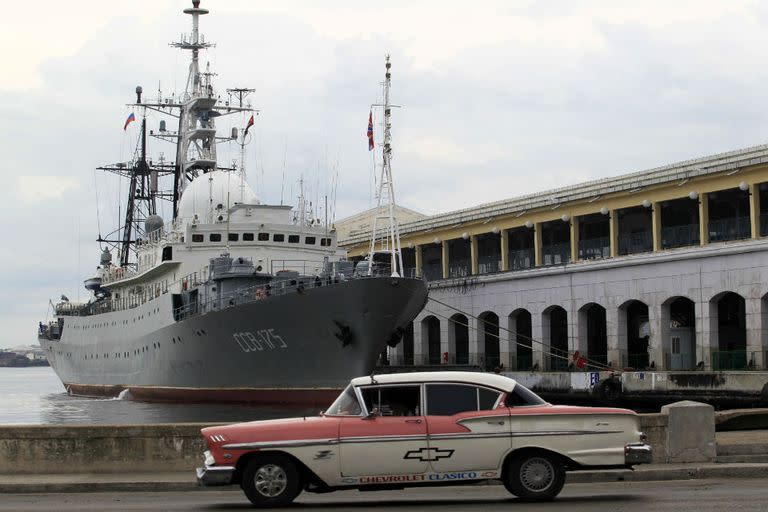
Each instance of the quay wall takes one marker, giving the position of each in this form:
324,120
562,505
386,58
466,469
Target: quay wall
45,449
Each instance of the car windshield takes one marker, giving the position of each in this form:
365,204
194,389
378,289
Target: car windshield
346,404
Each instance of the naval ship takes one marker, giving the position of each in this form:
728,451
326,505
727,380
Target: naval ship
231,299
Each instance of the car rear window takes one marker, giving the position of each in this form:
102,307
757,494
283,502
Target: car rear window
521,396
450,399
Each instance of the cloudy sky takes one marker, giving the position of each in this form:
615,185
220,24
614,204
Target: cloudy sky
499,98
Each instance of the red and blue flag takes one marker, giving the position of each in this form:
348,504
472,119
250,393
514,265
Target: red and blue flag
131,118
370,131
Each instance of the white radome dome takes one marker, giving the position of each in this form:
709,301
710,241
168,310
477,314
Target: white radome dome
212,189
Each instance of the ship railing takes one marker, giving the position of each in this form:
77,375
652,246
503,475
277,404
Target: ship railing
117,273
255,293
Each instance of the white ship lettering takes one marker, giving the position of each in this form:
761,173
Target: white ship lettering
264,339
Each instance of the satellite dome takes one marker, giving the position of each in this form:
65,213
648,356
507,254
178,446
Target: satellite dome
153,223
212,189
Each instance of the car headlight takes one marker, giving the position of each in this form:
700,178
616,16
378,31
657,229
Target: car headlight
209,460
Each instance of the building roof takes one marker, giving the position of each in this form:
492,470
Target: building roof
482,379
731,161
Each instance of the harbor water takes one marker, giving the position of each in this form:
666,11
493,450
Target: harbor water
36,396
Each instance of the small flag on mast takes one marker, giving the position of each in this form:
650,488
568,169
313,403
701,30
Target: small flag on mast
248,126
370,131
131,118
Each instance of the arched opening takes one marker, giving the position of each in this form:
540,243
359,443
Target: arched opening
635,330
408,345
731,350
489,327
431,331
459,342
593,333
521,328
555,334
679,341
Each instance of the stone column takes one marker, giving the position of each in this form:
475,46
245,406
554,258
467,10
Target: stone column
445,325
445,259
613,228
540,333
473,254
419,336
505,250
537,244
574,239
754,209
656,226
419,261
612,334
504,342
754,309
655,341
706,324
703,218
476,350
580,332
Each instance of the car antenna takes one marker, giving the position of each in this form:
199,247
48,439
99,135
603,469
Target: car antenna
373,373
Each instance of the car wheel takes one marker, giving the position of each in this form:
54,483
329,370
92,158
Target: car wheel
271,481
535,476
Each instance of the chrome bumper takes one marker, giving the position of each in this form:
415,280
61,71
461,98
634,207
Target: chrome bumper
215,475
637,453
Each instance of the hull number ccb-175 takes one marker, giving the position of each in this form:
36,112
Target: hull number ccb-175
264,339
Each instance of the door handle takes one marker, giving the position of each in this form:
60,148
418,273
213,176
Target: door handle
500,422
413,421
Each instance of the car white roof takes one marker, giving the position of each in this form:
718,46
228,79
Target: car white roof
482,379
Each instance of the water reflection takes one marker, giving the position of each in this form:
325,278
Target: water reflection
64,409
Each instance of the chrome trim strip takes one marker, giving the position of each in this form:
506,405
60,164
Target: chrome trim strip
483,435
383,439
565,433
290,443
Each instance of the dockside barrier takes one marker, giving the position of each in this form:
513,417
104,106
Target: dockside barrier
50,449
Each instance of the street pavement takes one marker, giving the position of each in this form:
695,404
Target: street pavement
708,495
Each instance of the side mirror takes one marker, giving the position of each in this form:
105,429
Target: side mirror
372,415
321,413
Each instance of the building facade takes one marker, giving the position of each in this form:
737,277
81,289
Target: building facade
662,269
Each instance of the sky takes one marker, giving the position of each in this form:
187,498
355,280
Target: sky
498,99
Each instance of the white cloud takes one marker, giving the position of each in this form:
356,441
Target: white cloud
37,189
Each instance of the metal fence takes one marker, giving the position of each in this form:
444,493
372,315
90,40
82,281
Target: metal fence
595,248
730,228
556,254
680,236
632,243
521,259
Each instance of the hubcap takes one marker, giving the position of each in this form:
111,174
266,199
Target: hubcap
537,474
270,480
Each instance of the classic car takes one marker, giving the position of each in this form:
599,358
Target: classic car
432,428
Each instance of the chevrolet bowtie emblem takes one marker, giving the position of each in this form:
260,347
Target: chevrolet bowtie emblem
428,454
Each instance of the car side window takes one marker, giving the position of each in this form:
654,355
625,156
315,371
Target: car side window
522,396
393,400
450,399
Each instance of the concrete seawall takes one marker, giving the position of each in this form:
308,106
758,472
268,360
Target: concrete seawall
37,449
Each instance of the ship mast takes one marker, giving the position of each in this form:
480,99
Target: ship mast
241,93
384,214
195,143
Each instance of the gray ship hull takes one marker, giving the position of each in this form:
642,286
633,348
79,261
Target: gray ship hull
295,348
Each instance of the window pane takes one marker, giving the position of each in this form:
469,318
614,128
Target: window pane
214,237
233,237
263,237
393,401
310,240
449,399
293,239
247,237
278,238
488,399
197,237
523,396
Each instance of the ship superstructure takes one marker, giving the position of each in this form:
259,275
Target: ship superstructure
232,299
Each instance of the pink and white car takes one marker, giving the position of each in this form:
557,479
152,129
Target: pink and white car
413,429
